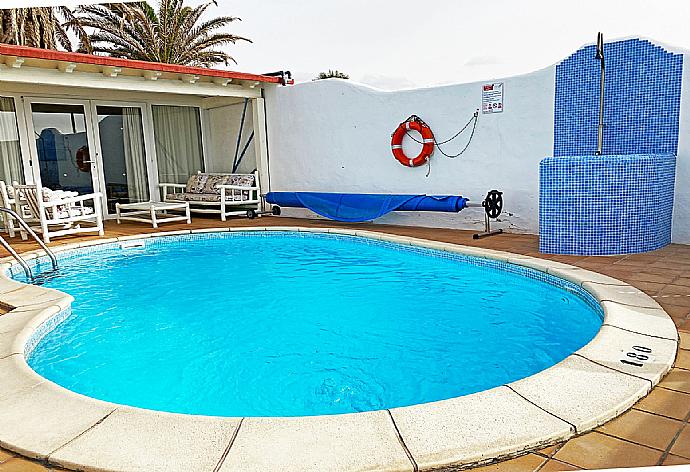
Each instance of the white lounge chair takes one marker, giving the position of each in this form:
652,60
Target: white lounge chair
7,200
61,213
227,194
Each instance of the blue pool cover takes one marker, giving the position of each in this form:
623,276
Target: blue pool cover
357,207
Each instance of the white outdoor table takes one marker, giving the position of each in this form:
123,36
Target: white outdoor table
153,212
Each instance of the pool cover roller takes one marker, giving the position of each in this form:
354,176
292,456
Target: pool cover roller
358,207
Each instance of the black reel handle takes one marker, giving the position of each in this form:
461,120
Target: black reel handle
493,203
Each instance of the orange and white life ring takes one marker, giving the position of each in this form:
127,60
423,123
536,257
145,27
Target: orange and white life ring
427,142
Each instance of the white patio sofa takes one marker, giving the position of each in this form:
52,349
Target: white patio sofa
225,194
59,213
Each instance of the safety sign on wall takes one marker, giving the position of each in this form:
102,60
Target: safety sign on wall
492,98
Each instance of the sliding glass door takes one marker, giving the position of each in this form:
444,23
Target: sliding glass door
123,154
87,146
64,146
92,146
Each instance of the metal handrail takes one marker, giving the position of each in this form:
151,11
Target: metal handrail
18,258
35,237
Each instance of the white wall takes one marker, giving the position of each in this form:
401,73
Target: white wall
223,126
681,204
334,136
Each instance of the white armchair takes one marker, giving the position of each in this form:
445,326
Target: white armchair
61,213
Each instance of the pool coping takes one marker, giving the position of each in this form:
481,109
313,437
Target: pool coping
588,388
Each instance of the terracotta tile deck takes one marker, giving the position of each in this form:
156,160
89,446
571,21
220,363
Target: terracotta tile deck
654,432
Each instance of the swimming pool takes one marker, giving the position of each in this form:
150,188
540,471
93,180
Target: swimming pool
293,324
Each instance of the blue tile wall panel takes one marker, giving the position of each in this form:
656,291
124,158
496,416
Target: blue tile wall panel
642,100
614,204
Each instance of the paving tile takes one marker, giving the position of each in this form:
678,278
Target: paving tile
21,465
5,455
677,379
675,311
682,445
39,420
683,359
666,402
651,321
684,281
14,321
598,451
582,392
550,450
651,277
153,441
625,295
7,344
671,289
632,353
681,301
675,460
318,443
526,463
12,382
639,259
493,423
557,466
37,295
643,428
684,340
578,276
680,323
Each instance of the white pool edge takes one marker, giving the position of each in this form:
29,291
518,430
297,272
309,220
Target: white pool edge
42,420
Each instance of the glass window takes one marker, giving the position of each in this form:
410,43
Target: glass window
64,157
179,152
10,152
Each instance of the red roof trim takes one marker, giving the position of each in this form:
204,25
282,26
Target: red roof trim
51,55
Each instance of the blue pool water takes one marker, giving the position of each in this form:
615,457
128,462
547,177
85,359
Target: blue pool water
283,324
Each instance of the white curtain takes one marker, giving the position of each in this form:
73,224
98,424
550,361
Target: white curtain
178,142
10,151
135,155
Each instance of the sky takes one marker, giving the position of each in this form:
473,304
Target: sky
404,43
397,44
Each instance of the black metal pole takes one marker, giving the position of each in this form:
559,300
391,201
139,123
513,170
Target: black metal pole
600,56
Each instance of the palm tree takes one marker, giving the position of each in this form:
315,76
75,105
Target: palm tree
174,34
39,27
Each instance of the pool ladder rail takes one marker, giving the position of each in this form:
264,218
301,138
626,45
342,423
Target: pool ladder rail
30,232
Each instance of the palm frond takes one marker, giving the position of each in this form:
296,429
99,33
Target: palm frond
172,33
36,27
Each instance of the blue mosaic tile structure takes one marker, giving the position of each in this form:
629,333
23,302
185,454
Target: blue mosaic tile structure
641,100
615,204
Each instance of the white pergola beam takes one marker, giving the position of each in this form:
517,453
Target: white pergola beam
47,77
222,81
152,74
14,62
67,67
190,78
111,71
